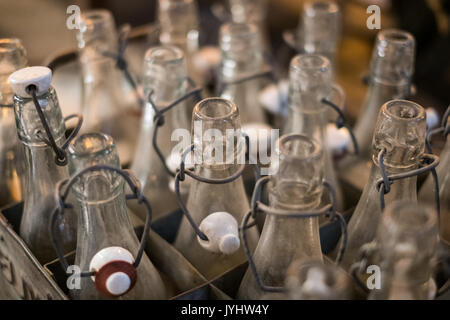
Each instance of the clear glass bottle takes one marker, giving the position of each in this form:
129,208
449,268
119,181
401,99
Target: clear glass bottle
165,76
427,192
391,71
310,80
407,239
215,115
179,24
297,186
254,12
102,216
42,173
242,56
319,29
109,104
401,130
314,280
12,58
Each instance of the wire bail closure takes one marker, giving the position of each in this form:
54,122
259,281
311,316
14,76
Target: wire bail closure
256,205
181,176
62,191
429,162
60,152
158,120
341,122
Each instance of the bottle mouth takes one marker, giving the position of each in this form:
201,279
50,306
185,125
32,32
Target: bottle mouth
215,109
299,147
13,52
238,32
96,17
91,144
395,36
316,8
310,62
403,110
164,55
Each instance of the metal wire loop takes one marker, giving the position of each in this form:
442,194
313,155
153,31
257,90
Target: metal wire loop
341,122
60,153
121,62
256,205
428,162
159,118
62,191
181,176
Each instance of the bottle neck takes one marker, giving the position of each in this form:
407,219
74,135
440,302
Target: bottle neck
42,174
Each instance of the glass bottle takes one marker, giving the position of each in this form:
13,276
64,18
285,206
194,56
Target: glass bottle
164,76
254,12
42,173
319,29
215,116
427,192
12,58
309,82
102,216
407,240
242,56
391,71
179,24
401,130
296,186
314,280
109,105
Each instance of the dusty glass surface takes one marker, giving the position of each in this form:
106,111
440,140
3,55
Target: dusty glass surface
297,186
164,76
12,58
42,175
407,239
310,80
391,70
102,217
401,130
204,198
109,105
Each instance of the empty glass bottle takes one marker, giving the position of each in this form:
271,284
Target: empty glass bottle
254,12
164,78
407,240
12,57
179,24
319,29
314,280
400,130
215,116
391,70
108,103
42,173
297,186
427,192
309,82
242,56
102,217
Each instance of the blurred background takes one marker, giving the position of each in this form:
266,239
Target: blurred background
41,24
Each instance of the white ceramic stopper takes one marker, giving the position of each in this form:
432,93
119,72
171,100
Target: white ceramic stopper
221,228
337,139
118,282
432,118
271,95
260,138
40,77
